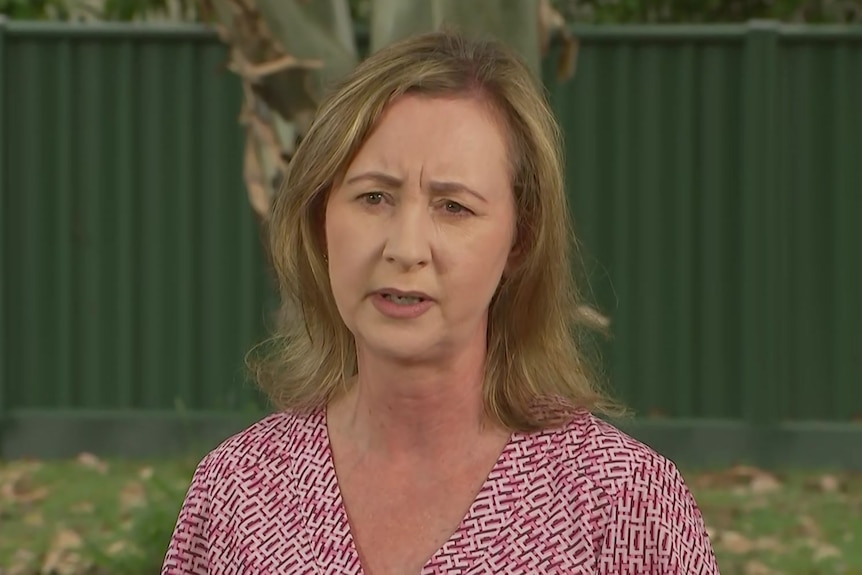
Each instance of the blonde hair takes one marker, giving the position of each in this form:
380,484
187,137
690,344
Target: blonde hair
536,371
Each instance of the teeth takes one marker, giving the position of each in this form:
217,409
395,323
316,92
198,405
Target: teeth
403,300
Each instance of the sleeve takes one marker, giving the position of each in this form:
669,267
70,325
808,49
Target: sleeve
656,528
188,550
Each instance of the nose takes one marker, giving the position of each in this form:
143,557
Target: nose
408,239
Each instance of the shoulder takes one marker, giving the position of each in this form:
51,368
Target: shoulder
278,437
594,448
228,483
649,520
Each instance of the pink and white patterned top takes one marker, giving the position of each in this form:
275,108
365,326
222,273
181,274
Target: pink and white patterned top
584,498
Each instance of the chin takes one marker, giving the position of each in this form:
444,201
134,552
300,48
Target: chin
402,348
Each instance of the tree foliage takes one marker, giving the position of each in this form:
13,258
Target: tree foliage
582,11
709,11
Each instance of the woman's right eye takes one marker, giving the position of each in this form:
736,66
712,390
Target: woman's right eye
373,198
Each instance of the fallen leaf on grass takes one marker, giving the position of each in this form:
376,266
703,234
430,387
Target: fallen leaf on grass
809,527
83,508
824,484
711,532
771,544
146,473
764,483
34,519
735,542
90,461
23,563
133,496
63,557
744,479
18,488
758,568
15,469
830,484
33,495
823,551
120,547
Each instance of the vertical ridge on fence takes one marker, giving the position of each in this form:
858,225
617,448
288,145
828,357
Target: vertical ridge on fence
61,180
649,197
683,181
95,282
718,196
183,210
758,169
122,180
620,217
155,211
4,374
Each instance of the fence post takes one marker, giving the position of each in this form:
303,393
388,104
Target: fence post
761,226
4,408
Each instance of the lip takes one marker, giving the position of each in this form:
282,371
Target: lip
402,293
394,310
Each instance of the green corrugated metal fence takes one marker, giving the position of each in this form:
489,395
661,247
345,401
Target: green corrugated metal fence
715,173
132,269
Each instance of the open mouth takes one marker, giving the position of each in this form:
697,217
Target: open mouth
402,300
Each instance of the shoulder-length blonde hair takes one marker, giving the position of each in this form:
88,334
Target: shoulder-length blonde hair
535,358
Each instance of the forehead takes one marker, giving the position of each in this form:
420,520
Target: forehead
441,131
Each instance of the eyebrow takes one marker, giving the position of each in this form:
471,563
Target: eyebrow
438,187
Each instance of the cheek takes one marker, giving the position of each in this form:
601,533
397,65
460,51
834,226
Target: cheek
481,264
335,241
345,282
338,235
347,250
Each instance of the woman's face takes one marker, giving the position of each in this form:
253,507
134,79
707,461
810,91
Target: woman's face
420,229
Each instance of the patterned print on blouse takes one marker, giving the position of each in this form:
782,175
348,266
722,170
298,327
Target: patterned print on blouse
582,499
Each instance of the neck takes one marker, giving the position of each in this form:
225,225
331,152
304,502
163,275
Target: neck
415,411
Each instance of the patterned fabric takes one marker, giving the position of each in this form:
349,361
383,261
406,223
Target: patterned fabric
582,499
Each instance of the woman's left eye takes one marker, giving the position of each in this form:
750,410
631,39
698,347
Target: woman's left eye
455,207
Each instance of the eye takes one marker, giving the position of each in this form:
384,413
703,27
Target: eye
455,208
372,198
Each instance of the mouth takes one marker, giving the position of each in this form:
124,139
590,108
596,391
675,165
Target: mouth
403,298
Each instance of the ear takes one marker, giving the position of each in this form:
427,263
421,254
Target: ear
516,255
320,224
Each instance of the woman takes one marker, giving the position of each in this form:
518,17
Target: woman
435,410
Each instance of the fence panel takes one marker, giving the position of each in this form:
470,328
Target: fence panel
653,171
820,195
4,380
713,173
133,270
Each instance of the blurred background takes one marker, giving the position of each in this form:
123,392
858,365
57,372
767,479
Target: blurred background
714,169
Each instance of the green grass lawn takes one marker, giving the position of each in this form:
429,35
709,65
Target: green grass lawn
91,516
88,516
790,523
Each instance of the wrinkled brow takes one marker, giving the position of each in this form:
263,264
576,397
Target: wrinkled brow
437,187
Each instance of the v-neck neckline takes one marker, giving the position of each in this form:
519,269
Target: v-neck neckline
494,503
